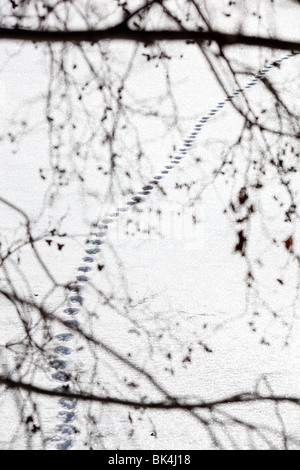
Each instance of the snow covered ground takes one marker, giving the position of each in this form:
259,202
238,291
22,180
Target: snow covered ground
178,294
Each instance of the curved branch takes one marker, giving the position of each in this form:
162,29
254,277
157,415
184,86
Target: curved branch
123,32
169,404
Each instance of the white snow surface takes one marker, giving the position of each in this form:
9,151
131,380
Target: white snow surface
186,285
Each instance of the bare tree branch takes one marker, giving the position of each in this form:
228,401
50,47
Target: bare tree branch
123,32
171,404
